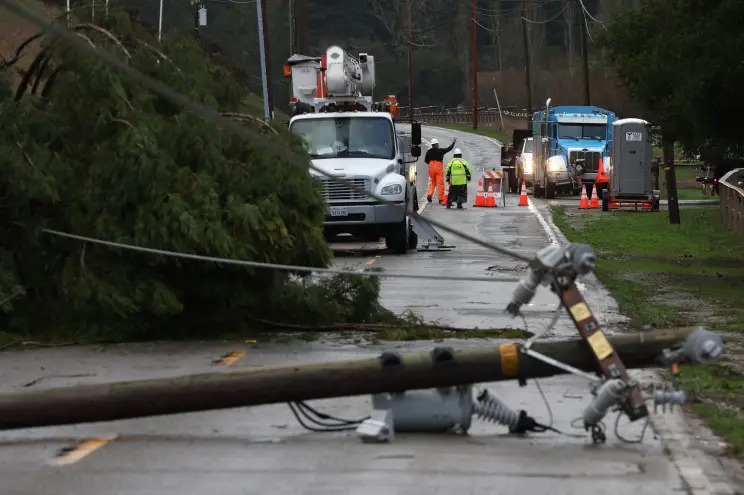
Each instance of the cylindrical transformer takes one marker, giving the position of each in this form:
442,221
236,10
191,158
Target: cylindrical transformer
428,410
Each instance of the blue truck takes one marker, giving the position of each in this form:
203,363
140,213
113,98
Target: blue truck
569,142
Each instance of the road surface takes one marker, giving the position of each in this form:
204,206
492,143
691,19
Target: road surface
263,450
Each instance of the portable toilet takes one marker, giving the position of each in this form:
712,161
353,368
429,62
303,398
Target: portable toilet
630,159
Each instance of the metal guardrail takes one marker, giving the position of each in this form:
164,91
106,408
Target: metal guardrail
731,192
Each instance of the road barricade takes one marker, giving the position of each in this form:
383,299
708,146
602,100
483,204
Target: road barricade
490,191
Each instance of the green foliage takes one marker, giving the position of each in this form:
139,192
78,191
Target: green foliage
678,58
100,156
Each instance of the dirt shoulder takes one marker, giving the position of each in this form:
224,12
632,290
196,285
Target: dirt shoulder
666,275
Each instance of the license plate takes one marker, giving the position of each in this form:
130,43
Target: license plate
339,211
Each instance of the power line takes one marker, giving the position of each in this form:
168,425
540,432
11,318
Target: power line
274,266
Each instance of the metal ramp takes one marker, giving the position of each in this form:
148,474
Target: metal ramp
429,238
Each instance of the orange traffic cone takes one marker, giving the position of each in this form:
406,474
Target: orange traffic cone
490,197
480,199
584,201
594,202
523,201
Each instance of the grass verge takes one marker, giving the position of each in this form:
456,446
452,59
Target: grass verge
677,275
492,133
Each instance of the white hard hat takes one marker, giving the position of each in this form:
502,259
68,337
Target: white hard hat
458,151
435,141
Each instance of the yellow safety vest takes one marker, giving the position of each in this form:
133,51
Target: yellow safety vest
458,170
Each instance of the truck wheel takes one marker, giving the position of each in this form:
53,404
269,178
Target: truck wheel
537,190
550,190
605,200
398,237
412,239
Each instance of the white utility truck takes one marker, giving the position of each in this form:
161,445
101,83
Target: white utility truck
334,113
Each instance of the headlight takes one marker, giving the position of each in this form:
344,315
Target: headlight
556,163
391,189
527,166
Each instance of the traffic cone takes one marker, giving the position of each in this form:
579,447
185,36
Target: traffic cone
490,197
594,202
480,199
584,201
523,201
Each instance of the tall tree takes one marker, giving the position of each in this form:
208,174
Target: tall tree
684,69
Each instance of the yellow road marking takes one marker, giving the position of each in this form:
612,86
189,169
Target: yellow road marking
372,261
81,451
229,359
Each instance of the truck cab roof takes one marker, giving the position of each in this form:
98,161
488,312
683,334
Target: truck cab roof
362,115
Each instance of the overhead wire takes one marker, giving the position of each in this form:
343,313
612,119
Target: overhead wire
546,20
239,130
276,266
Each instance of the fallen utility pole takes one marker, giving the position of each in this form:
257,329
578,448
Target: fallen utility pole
390,372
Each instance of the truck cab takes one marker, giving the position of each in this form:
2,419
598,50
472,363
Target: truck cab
571,141
350,140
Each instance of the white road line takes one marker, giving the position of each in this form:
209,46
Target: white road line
546,227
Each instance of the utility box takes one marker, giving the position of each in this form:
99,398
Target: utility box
630,159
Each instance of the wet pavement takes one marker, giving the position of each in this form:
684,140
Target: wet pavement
264,450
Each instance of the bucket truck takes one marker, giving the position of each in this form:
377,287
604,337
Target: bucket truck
346,135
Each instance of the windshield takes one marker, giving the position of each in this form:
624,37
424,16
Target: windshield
347,137
528,146
582,131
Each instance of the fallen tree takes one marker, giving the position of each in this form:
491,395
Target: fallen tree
86,152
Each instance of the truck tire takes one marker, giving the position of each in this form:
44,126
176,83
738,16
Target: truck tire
412,239
537,190
550,190
397,238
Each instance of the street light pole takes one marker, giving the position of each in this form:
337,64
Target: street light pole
262,49
160,22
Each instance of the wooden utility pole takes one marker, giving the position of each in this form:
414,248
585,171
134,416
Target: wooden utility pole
267,58
410,63
525,43
584,51
474,51
292,27
667,147
389,372
302,27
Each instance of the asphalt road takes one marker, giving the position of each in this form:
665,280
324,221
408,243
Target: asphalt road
264,450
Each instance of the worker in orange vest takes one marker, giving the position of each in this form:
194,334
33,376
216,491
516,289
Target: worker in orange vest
435,159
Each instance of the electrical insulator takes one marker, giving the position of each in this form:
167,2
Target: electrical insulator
491,408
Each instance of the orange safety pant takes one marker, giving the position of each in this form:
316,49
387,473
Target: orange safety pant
436,179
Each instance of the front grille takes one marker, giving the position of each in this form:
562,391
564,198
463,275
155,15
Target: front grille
591,163
338,191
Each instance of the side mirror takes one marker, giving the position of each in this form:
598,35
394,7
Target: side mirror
400,160
416,151
416,134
